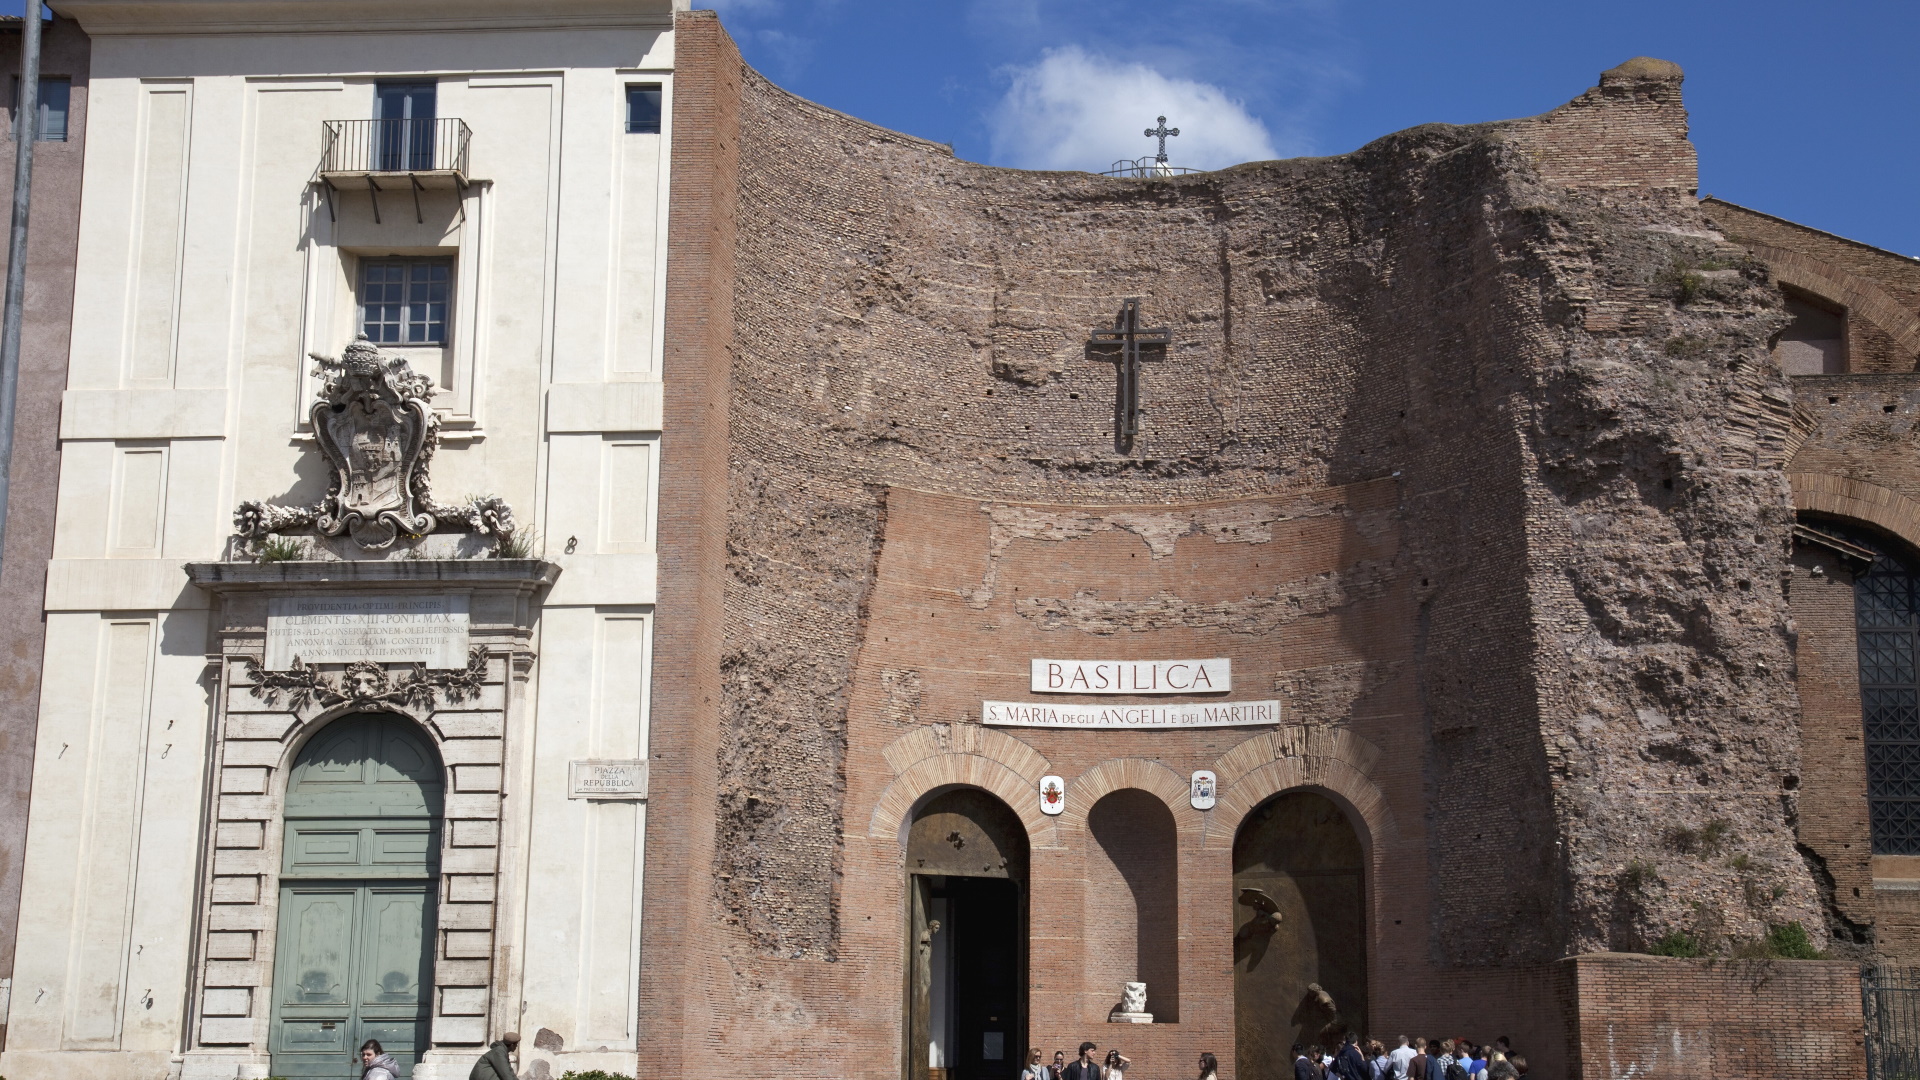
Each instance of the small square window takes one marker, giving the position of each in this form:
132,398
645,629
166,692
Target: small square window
643,109
56,94
404,301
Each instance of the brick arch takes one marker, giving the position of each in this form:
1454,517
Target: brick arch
940,756
1858,295
1845,497
1117,774
1332,761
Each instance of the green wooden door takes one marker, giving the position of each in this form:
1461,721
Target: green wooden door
355,963
354,958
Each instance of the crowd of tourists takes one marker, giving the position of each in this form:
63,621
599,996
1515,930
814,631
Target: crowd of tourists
1410,1059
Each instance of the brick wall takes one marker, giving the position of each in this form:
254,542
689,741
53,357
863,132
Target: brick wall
1662,1017
1440,456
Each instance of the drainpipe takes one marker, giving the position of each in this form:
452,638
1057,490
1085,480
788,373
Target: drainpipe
24,133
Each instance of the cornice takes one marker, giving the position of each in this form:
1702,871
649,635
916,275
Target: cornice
199,17
224,577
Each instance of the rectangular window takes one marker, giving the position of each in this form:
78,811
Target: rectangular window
404,301
56,93
643,109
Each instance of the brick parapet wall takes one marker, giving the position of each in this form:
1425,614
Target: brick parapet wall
1663,1017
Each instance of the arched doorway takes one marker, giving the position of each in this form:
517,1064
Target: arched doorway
358,880
1299,943
966,1007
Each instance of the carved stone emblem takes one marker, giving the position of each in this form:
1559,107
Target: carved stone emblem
367,683
375,425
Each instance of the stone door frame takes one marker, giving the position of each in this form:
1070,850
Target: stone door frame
257,732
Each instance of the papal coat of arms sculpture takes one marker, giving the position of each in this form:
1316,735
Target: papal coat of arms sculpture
374,422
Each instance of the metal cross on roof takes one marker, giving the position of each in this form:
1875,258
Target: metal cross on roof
1161,133
1122,347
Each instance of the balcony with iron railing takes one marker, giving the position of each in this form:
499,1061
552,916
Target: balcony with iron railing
383,155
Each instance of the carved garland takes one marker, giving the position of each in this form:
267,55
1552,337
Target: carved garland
377,429
367,683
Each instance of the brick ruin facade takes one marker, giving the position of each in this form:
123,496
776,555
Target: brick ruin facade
1470,447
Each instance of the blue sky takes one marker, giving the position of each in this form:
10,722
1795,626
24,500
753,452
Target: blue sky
1808,111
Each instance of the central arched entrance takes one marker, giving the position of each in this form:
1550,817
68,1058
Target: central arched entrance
966,1007
358,880
1299,942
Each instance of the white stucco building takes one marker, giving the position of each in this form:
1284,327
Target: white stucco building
239,867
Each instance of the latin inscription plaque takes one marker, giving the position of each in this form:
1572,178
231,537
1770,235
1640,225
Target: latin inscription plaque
1211,676
329,628
1197,714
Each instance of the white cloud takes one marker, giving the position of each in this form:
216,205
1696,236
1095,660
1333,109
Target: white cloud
1078,110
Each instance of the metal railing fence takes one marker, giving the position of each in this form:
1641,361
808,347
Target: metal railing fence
1890,1002
1147,167
396,146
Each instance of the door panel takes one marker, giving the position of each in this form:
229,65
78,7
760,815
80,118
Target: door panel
356,963
312,1016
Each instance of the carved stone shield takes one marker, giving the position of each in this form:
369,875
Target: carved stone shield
372,422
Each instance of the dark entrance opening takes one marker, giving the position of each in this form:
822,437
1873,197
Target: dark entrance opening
966,997
1299,942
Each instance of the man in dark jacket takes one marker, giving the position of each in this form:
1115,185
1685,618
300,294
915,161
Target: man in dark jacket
1348,1064
1303,1066
497,1062
1083,1067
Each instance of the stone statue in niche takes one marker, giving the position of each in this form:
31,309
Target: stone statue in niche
375,425
1133,1005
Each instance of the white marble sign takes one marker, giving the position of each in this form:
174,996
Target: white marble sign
329,628
625,780
1198,714
1210,676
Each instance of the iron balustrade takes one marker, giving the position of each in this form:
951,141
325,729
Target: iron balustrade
1147,167
396,146
1890,1007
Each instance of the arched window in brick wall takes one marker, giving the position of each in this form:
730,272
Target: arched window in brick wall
1815,342
1886,600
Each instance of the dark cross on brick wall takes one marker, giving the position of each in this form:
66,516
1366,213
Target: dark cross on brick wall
1124,347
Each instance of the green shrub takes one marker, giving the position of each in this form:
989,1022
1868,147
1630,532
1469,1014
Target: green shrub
1789,941
281,549
1677,943
520,545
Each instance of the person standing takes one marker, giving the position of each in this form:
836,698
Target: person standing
1348,1064
497,1062
1117,1064
1035,1070
376,1063
1437,1061
1403,1056
1417,1065
1059,1067
1303,1066
1210,1066
1083,1067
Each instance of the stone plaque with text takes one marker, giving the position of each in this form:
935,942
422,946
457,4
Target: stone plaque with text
607,779
1199,714
328,628
1210,676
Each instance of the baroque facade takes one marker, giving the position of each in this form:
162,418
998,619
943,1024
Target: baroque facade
555,534
349,605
